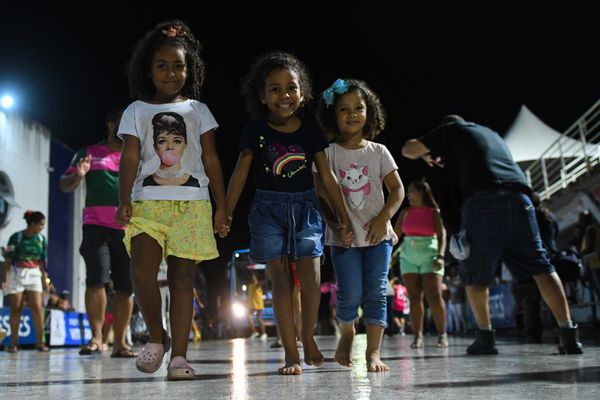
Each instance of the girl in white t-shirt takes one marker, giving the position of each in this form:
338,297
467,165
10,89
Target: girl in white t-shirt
351,113
169,159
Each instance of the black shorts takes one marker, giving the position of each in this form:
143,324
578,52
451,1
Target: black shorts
105,258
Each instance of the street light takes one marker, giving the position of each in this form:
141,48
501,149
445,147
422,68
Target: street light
7,101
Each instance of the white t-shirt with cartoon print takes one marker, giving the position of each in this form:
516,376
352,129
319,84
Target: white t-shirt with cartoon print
360,174
170,155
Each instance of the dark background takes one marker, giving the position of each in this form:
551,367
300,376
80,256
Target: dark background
65,66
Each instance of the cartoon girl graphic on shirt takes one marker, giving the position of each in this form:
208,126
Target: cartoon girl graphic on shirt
170,142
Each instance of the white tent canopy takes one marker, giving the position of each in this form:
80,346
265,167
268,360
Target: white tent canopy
529,137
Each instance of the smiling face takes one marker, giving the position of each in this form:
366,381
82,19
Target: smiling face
282,94
351,113
169,72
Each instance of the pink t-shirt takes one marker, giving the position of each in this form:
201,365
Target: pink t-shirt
399,298
418,221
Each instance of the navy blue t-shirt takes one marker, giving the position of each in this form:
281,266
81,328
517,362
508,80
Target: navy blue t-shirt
283,161
476,158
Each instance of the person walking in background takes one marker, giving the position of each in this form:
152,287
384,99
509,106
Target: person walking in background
498,223
102,246
167,133
25,274
423,237
351,112
285,223
256,304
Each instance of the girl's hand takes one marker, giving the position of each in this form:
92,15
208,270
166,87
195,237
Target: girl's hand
345,234
222,223
124,213
376,230
45,282
83,166
438,264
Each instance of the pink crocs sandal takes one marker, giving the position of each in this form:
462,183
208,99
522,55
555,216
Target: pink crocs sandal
151,356
180,370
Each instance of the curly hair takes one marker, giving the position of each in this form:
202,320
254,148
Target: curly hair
175,33
375,113
254,82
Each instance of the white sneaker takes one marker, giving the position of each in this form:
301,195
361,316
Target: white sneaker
255,335
263,336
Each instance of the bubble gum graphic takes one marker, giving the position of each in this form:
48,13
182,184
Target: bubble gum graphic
170,157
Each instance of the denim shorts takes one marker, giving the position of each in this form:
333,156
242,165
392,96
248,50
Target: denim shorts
501,227
284,225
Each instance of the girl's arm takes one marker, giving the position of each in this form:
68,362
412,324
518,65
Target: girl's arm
440,231
130,159
377,227
398,225
334,195
238,180
328,212
8,262
212,167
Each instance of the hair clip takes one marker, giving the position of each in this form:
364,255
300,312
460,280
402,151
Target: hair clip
339,87
175,31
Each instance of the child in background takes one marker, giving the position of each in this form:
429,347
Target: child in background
422,259
285,223
351,113
399,306
256,304
169,159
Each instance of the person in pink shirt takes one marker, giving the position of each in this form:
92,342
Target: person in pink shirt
422,259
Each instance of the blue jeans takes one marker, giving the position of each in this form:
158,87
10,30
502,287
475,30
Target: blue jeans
285,225
361,274
501,227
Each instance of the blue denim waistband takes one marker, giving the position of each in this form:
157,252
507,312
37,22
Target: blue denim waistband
281,197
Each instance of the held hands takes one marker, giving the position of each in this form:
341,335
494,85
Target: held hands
376,230
83,166
222,223
345,234
124,213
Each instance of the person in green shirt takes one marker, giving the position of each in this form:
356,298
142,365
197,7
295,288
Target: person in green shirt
25,273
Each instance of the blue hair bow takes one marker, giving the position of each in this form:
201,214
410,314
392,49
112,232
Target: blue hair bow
339,87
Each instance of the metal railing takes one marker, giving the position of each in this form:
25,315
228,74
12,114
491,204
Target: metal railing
574,153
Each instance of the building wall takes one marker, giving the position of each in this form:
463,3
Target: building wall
25,159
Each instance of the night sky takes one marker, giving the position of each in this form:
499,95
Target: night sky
66,67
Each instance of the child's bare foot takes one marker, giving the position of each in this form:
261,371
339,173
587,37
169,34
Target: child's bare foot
312,354
374,363
290,369
342,354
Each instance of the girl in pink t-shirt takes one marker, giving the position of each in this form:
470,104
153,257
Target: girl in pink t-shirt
422,259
